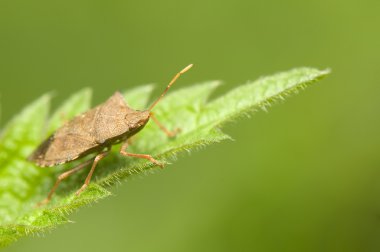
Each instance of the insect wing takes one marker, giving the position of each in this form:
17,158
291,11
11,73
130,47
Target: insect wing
71,141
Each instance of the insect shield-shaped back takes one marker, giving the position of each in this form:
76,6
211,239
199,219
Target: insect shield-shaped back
116,121
110,122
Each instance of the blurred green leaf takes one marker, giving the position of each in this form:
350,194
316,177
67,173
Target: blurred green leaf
23,184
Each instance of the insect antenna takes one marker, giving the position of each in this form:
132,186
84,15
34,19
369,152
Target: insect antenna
170,83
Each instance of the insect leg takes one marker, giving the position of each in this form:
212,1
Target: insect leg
149,157
98,157
62,177
163,128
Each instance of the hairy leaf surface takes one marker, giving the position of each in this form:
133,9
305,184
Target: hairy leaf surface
23,184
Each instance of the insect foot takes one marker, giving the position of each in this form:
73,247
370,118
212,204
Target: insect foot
160,164
81,190
42,203
175,132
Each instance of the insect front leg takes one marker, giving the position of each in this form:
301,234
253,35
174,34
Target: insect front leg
163,128
145,156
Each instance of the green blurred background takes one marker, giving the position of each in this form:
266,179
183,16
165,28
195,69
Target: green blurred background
303,177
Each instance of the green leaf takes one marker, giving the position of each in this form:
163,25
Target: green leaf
23,184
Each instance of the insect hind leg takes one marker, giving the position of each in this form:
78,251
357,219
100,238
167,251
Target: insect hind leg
61,177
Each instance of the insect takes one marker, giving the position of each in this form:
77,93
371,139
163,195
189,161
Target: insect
95,131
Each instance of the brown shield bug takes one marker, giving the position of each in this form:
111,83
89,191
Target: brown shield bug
95,131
